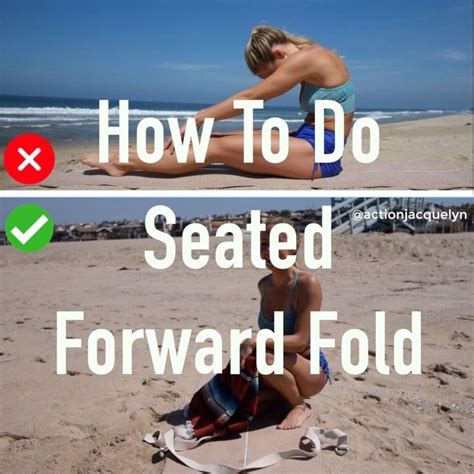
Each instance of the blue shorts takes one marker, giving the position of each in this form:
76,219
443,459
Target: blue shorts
323,363
306,132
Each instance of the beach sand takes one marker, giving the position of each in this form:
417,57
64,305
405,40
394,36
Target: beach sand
423,154
88,423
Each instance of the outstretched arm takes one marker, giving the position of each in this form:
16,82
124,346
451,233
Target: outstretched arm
289,74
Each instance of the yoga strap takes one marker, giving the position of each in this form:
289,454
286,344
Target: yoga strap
311,443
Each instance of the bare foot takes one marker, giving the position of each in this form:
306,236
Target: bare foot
295,417
113,167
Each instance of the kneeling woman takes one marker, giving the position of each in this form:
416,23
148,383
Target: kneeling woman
283,61
296,293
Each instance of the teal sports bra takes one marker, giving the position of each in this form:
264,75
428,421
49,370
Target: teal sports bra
289,315
343,94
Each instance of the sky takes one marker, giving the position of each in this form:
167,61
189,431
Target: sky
404,54
76,210
82,210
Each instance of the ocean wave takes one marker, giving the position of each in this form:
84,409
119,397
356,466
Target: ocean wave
413,112
82,116
39,119
42,117
378,115
43,125
381,117
73,124
84,112
404,114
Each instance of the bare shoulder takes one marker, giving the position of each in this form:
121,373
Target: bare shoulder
320,57
308,55
316,52
308,291
308,283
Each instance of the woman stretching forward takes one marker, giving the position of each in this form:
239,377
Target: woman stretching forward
282,60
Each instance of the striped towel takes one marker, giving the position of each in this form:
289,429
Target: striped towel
226,403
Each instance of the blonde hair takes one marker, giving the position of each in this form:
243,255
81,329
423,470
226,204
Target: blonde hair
262,39
274,220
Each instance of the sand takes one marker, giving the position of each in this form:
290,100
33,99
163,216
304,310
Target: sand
423,154
87,423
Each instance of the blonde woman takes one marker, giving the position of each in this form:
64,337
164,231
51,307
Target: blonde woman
282,60
296,293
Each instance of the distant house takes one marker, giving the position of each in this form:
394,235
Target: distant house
84,232
104,233
130,231
61,234
441,225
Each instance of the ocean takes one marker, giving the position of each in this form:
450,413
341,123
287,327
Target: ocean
76,120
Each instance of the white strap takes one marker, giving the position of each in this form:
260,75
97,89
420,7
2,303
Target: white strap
311,443
179,443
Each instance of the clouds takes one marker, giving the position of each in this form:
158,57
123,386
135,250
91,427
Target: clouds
149,51
453,55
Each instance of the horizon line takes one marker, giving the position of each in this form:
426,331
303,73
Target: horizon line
365,108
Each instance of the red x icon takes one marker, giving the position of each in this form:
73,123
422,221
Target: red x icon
29,158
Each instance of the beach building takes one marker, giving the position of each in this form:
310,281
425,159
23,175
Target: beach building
84,232
130,230
353,216
411,215
104,233
440,225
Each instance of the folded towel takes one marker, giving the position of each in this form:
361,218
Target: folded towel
226,403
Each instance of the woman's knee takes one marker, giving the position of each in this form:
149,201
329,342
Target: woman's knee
216,149
314,387
289,360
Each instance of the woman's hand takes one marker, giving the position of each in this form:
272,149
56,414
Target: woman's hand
169,145
246,348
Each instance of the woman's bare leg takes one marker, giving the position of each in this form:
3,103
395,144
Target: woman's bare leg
295,384
308,384
227,149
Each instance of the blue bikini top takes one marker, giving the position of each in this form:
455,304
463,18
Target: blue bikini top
343,94
289,315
